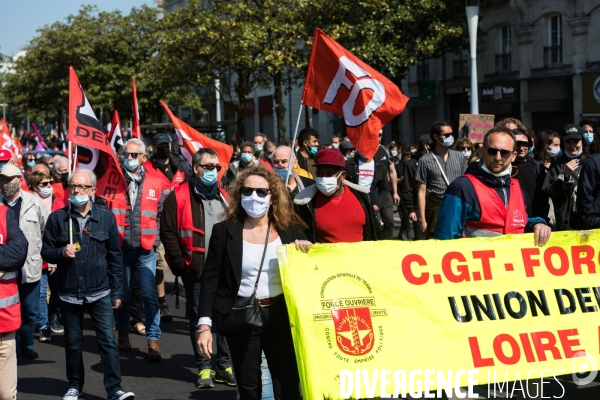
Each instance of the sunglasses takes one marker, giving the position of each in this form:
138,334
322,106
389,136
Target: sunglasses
133,155
210,167
446,135
463,148
260,192
503,153
45,184
522,144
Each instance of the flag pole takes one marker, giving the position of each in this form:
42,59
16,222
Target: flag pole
292,146
70,219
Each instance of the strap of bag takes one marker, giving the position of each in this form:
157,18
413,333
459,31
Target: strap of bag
263,257
441,170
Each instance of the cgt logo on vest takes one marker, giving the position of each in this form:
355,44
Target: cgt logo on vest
355,333
363,82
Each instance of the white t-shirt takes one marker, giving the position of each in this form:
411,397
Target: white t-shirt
366,173
269,284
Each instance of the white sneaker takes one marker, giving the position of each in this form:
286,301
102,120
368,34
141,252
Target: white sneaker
72,394
121,395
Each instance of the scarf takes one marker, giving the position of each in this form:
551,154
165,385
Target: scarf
208,192
134,184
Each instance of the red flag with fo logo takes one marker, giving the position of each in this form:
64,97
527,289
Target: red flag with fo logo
190,141
340,83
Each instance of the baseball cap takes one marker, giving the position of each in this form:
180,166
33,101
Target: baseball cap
161,138
330,157
572,131
10,171
5,156
346,145
425,139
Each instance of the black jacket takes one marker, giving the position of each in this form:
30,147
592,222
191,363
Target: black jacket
222,274
305,203
563,192
176,162
409,186
588,193
380,181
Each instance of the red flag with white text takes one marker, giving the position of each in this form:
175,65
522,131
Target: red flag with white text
6,140
190,141
115,138
94,151
339,82
136,131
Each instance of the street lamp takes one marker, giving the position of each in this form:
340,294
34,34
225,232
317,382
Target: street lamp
473,19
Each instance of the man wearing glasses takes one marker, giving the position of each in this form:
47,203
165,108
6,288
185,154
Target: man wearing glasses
32,216
138,224
89,278
188,217
486,201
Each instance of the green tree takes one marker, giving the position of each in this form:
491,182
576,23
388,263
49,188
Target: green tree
106,49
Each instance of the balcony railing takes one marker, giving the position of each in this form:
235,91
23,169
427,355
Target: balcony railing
460,68
503,63
552,56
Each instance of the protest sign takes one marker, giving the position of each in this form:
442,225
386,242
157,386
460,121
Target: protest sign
494,308
479,124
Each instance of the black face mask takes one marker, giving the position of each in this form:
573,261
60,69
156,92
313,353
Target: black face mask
64,178
163,152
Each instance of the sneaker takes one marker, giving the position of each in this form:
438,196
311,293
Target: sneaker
165,314
205,379
225,376
72,394
55,326
45,335
121,395
30,354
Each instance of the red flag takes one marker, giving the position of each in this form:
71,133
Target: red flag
93,149
190,141
7,142
338,82
114,137
135,121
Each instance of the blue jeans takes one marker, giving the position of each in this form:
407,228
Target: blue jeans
144,262
267,384
101,313
48,310
29,294
192,290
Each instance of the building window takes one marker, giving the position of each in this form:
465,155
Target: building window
503,59
423,69
460,66
553,52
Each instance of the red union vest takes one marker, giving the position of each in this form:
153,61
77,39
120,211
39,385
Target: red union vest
496,219
151,191
10,309
185,223
178,177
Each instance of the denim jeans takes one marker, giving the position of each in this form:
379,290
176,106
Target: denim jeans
144,263
29,294
192,292
101,313
267,384
48,310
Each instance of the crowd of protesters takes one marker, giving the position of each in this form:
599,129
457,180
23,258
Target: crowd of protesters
65,251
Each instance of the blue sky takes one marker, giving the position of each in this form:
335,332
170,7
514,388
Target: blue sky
21,18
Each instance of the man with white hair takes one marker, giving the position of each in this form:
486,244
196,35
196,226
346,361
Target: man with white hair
138,225
60,170
89,267
294,181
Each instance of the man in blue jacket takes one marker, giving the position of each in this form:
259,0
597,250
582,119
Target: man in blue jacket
487,201
90,273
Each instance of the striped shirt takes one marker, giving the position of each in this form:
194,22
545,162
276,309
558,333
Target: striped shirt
428,171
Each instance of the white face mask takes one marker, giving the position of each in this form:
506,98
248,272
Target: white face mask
256,206
507,171
45,192
335,146
394,153
466,153
448,141
327,185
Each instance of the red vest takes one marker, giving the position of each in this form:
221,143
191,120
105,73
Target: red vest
178,177
494,216
185,223
10,309
150,196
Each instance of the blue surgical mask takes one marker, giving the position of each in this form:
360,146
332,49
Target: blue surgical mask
282,172
131,165
531,149
270,156
588,137
210,177
31,164
554,152
258,148
78,200
246,157
312,150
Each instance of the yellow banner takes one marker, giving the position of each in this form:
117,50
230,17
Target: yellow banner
372,318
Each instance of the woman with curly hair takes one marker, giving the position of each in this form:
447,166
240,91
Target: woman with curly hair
242,261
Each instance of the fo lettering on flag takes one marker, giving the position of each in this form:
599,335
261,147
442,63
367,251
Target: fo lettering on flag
340,83
94,151
190,141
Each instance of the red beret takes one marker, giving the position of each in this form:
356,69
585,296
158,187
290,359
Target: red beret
330,157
